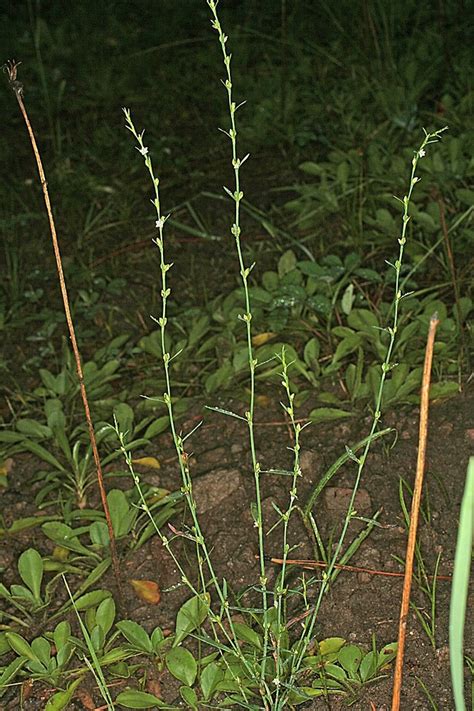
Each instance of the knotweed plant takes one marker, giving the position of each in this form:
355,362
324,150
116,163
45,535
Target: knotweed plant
263,669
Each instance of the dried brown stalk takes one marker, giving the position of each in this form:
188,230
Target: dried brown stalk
415,513
11,69
311,564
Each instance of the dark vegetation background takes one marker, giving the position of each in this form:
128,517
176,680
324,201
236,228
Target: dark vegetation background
337,95
318,77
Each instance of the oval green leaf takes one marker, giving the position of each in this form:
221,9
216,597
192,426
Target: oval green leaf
182,665
133,699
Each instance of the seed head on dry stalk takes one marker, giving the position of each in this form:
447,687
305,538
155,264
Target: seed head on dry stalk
10,67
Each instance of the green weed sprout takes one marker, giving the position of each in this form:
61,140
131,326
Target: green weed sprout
93,664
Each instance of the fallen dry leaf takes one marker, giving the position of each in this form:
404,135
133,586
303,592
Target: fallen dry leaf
147,590
60,553
153,686
86,699
149,462
26,689
6,466
260,338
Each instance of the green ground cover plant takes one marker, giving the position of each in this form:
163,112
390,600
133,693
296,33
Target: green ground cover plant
335,330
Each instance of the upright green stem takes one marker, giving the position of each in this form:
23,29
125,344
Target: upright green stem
187,487
386,367
281,589
237,195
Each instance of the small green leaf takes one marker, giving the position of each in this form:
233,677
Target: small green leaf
42,453
135,634
99,534
63,535
62,634
30,567
121,513
190,616
286,263
133,699
348,299
330,645
348,345
61,699
362,320
189,697
222,376
21,524
91,599
270,281
49,381
157,639
94,575
465,196
328,414
335,671
311,168
97,638
320,304
387,654
41,648
20,646
4,646
311,354
328,683
10,672
465,306
181,664
443,390
105,615
124,415
247,634
32,428
210,677
368,666
157,427
349,658
303,694
369,274
117,654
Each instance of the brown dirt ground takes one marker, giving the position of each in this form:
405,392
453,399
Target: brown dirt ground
359,604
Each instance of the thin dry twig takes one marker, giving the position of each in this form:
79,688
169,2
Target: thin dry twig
311,564
11,68
415,512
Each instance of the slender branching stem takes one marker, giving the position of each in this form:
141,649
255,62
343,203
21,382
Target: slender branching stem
237,195
197,536
386,367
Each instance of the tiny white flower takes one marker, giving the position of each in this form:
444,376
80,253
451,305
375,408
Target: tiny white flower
421,153
159,223
143,150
